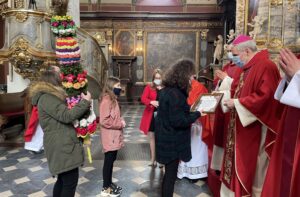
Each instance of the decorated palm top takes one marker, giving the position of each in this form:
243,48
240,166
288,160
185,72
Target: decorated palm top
74,78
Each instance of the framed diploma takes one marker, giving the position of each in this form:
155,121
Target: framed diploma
207,103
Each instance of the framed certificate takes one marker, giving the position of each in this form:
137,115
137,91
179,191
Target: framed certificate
207,103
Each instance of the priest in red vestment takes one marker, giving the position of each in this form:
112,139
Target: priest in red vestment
283,176
222,82
224,79
254,117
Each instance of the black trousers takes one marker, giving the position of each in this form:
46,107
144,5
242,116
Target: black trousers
109,159
169,178
66,184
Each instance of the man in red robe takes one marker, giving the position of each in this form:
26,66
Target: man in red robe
222,82
283,176
224,79
254,116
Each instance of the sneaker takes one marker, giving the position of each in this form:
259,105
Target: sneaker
116,187
109,192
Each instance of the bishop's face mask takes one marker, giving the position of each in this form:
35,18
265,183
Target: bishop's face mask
230,56
237,61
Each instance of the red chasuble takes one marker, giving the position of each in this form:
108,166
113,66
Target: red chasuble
196,90
255,91
283,176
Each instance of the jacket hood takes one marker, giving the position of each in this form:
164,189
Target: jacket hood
37,89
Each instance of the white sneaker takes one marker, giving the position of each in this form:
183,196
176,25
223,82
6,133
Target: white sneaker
109,192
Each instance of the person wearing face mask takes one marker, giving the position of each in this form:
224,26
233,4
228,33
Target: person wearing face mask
222,81
149,99
111,130
254,120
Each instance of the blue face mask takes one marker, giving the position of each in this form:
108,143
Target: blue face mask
237,61
117,91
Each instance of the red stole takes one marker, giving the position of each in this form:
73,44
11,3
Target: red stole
221,120
196,90
255,91
32,125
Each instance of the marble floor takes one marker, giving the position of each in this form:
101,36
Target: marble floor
26,174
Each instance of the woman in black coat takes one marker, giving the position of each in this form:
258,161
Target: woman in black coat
173,122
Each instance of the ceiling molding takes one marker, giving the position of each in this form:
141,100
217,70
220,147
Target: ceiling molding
149,16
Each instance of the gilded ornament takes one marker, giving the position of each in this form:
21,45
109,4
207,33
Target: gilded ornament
139,34
275,43
203,34
3,5
100,37
23,61
261,42
109,34
19,4
276,2
39,46
21,17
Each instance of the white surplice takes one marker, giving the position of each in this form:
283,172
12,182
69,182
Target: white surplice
196,168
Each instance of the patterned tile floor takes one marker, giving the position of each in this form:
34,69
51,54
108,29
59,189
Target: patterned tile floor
25,174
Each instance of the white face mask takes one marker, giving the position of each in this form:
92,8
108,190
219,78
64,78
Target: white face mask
157,82
229,55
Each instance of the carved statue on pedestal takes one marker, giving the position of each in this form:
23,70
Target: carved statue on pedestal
231,36
218,50
256,23
32,4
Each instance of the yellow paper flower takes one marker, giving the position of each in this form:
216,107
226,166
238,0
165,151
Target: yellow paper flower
83,84
76,86
69,85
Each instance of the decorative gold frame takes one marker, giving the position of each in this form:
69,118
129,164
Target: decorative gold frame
197,49
134,40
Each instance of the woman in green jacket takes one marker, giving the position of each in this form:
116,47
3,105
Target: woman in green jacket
64,151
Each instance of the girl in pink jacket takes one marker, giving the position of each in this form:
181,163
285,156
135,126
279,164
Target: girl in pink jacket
111,129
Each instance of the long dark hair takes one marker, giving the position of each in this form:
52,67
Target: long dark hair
179,74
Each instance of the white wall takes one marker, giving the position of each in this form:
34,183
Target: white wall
17,84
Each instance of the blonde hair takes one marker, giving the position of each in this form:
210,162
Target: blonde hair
108,89
156,71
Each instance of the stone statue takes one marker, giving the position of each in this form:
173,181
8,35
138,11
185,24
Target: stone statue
218,50
256,23
32,4
231,36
